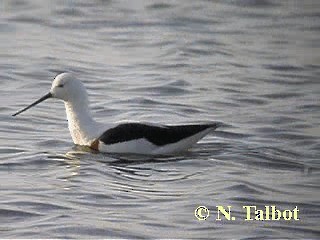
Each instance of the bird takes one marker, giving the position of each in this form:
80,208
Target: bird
119,137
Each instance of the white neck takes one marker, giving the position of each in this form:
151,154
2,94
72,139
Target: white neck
83,128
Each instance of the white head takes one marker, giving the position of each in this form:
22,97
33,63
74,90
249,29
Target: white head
65,87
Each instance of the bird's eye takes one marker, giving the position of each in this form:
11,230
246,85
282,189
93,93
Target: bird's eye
60,85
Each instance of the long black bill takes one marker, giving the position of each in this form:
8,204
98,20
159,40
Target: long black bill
48,95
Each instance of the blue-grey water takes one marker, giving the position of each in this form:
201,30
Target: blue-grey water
252,65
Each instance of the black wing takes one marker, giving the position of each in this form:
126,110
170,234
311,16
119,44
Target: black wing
158,135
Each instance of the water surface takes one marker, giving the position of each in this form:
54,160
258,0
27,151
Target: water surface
251,65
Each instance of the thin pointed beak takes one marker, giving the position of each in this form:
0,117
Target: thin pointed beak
48,95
